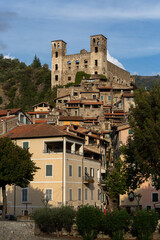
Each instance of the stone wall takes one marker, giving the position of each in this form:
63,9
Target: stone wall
25,230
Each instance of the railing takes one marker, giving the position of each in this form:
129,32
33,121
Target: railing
88,179
60,150
74,152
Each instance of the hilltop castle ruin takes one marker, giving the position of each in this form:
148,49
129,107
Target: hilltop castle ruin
65,67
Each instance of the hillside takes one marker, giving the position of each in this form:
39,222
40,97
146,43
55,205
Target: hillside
23,86
146,81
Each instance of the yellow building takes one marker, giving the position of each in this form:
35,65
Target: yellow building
65,176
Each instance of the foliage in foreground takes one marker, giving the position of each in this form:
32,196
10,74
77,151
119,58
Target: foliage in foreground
89,222
142,153
51,220
16,167
116,223
144,224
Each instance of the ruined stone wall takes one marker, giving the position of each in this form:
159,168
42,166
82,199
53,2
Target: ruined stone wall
117,74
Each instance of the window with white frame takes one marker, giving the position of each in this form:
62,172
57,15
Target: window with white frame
98,194
86,197
79,171
154,197
70,194
48,194
49,170
70,170
24,194
91,194
92,172
102,98
79,194
26,145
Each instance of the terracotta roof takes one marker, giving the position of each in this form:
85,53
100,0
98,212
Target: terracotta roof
93,103
42,112
71,118
37,131
11,111
89,92
128,95
39,121
62,96
5,118
90,118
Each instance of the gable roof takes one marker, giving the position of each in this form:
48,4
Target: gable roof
37,131
10,111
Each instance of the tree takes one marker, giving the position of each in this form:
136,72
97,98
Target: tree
16,167
115,182
36,62
142,153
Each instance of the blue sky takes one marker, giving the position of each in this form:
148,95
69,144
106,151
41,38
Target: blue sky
132,27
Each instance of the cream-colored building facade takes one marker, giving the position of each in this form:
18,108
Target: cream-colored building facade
66,176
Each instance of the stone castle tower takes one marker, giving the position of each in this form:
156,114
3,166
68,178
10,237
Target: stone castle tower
65,67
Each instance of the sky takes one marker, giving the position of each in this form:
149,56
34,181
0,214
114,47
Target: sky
132,28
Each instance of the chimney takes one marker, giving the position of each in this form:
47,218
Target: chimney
34,119
4,127
8,113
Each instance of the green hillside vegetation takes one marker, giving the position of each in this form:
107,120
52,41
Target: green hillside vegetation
146,81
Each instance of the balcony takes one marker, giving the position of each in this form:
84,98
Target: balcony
88,179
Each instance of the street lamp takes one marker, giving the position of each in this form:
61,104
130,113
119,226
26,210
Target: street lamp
138,198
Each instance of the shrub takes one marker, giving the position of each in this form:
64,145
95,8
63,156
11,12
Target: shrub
88,222
116,223
144,224
54,219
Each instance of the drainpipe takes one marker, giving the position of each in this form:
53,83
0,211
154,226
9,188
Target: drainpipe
64,171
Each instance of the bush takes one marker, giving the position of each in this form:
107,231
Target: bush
144,224
88,222
116,223
54,219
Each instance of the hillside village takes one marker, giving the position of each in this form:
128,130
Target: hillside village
74,140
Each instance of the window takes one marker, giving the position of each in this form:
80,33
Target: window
75,94
115,99
70,194
24,194
79,171
69,78
70,170
54,45
85,193
96,62
85,169
65,101
56,77
69,62
21,118
59,101
48,170
56,66
77,62
85,61
148,207
76,113
96,72
42,116
109,97
94,96
92,172
96,49
94,40
79,194
154,197
26,145
102,98
98,194
58,45
48,194
56,54
91,194
130,131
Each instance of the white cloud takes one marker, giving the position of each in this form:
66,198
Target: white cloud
9,57
114,60
134,73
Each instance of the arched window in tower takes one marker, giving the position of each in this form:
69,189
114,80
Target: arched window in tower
58,45
94,40
56,54
85,61
56,77
77,62
96,49
69,62
54,45
98,43
56,66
